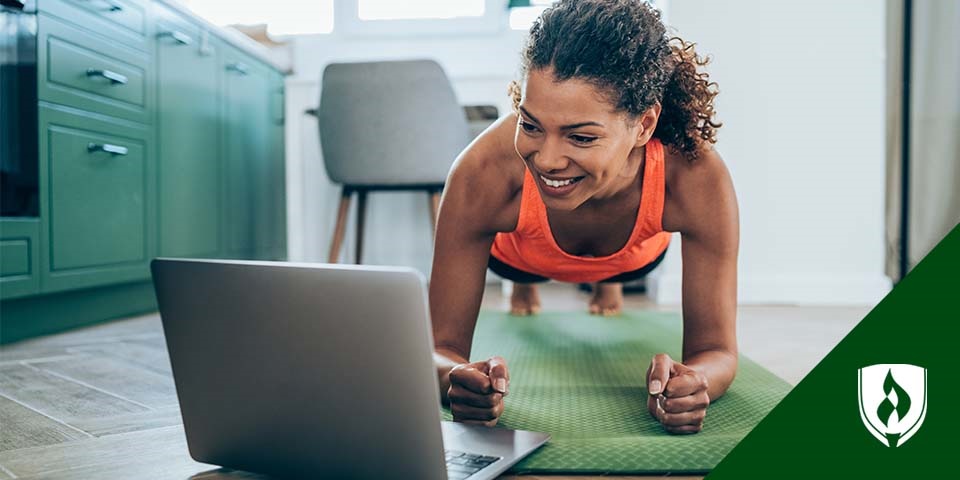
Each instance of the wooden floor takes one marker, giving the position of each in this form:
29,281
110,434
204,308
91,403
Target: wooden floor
100,402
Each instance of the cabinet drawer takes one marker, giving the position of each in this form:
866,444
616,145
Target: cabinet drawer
98,208
127,14
77,67
87,71
18,257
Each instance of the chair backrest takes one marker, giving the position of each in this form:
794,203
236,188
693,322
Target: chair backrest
389,123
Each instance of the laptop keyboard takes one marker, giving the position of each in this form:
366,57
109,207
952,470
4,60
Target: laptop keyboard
461,465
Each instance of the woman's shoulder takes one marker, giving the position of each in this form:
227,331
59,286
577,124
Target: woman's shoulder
486,179
698,191
494,147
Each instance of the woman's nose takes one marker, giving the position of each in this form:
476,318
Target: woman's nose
549,157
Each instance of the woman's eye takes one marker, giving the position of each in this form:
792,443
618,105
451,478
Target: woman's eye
582,138
528,127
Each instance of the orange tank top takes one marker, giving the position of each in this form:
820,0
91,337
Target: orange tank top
532,248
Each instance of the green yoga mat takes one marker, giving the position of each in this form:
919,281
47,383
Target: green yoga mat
581,379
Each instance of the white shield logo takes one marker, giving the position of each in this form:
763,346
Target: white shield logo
893,401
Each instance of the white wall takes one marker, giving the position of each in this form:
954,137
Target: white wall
802,98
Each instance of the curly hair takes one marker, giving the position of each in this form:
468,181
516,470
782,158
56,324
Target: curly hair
621,47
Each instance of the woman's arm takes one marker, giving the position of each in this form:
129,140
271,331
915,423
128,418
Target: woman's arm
703,208
480,199
710,244
457,280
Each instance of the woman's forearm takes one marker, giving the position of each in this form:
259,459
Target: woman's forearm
719,366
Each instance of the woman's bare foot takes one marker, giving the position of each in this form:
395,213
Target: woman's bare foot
524,300
607,299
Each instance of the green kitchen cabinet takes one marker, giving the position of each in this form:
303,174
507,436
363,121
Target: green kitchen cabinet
98,215
246,155
19,265
269,180
159,135
188,123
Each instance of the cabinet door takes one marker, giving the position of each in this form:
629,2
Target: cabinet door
278,241
188,141
246,112
98,214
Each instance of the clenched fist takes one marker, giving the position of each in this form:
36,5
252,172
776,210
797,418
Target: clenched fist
477,390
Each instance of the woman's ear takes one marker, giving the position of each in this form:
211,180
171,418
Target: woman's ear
648,124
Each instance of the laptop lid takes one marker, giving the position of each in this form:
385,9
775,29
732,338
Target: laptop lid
295,368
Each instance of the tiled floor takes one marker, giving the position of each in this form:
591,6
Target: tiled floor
100,402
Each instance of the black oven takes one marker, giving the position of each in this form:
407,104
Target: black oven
18,109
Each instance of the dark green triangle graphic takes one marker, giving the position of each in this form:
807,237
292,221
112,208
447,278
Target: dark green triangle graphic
816,431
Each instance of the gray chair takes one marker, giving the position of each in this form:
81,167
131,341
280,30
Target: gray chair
387,126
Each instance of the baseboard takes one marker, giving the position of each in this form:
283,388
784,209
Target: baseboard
803,289
45,314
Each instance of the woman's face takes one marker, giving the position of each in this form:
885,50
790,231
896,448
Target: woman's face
575,144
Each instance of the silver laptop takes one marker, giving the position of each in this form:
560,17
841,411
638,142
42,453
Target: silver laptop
316,370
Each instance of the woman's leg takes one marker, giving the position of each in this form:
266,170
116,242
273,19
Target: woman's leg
524,299
608,294
607,298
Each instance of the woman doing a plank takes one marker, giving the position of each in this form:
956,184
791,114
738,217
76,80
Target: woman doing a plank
609,150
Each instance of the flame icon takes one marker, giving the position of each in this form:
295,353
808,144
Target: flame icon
899,402
890,413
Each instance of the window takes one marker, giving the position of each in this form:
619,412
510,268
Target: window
283,17
521,18
419,17
420,9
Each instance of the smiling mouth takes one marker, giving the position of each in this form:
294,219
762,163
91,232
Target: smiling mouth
560,183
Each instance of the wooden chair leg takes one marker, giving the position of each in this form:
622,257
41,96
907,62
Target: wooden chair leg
434,209
361,216
341,226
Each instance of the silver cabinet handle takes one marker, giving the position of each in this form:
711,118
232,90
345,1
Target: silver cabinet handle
107,148
179,37
114,77
205,49
111,7
238,67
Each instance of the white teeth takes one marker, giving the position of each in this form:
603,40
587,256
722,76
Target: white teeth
554,183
